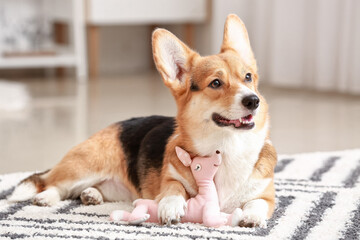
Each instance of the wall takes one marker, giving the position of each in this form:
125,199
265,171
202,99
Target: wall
316,44
125,49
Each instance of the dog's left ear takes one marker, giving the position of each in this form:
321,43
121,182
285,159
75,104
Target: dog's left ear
172,58
236,38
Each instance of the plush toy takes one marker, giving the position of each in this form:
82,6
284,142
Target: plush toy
203,208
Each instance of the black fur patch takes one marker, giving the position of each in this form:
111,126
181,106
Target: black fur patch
144,140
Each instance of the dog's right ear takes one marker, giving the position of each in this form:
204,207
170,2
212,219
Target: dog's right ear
172,58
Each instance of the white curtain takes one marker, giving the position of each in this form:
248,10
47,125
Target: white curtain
315,44
311,44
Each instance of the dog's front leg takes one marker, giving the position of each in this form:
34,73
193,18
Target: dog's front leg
258,210
172,203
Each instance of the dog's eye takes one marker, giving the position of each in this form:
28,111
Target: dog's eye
248,77
215,84
197,167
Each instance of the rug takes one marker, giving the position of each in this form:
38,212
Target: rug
317,197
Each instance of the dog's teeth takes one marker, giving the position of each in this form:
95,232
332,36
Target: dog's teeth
245,121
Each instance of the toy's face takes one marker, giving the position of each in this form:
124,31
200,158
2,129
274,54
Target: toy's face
204,168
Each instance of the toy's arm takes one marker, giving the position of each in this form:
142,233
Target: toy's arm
212,216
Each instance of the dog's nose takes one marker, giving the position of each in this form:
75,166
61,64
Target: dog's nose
251,102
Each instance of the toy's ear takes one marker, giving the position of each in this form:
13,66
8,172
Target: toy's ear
183,155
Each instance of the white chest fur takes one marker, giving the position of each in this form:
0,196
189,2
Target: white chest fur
240,151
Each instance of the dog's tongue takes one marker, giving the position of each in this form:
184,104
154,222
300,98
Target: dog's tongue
247,118
236,122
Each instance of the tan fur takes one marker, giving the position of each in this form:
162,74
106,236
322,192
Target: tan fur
37,180
264,168
150,186
101,155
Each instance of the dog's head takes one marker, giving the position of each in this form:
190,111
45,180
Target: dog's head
219,90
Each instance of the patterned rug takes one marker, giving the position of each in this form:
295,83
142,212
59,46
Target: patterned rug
318,197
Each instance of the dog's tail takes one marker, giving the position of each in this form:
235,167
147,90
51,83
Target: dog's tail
28,187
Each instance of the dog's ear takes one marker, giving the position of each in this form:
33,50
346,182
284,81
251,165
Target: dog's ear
183,156
236,38
172,58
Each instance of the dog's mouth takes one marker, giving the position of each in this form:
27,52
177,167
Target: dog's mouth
246,122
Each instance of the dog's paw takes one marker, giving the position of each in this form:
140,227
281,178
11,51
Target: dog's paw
254,214
91,196
252,220
171,209
236,217
47,198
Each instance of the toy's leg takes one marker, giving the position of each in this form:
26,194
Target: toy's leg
139,214
212,217
234,218
120,215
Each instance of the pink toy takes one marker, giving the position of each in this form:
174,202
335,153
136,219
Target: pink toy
203,208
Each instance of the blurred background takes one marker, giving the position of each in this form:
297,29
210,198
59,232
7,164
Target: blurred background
69,68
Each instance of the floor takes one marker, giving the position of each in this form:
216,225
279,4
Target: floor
62,113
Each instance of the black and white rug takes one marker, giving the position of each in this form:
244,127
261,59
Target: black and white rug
318,197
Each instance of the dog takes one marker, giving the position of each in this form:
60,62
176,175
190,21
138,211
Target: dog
219,107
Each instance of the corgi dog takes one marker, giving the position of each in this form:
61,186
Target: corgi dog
219,107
